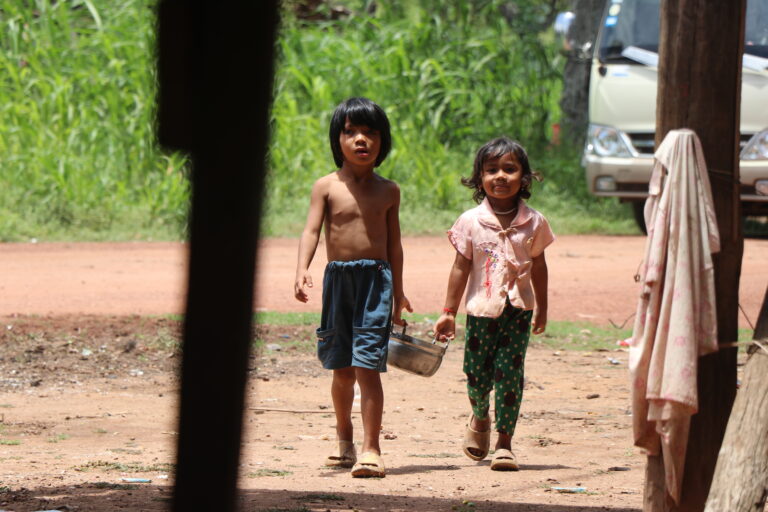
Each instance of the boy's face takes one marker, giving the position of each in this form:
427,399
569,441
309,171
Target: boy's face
360,144
502,176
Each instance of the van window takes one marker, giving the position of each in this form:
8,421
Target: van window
756,36
636,23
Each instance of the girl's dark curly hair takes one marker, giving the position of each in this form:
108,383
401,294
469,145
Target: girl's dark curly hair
360,111
494,149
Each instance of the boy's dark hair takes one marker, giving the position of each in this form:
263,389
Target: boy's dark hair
361,111
494,149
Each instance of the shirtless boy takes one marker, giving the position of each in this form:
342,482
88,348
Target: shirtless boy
362,285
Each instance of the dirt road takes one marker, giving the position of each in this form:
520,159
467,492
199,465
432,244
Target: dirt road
591,277
88,389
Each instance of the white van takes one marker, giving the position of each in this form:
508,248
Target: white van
618,154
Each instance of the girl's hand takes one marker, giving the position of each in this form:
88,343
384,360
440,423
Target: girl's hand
302,279
445,327
539,321
401,303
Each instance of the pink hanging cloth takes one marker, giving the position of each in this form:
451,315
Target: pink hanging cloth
676,318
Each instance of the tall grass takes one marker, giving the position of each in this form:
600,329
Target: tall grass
76,124
78,158
450,78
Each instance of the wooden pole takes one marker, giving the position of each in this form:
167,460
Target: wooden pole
215,65
699,87
740,483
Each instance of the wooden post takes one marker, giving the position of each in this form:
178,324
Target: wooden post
574,101
740,483
699,87
215,65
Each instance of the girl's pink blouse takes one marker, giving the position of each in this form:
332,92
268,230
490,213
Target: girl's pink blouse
501,258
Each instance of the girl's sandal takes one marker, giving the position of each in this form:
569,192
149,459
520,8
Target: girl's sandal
504,460
476,444
346,458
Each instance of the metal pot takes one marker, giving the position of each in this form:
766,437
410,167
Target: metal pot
414,355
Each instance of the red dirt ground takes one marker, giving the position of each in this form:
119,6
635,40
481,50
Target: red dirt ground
88,389
591,277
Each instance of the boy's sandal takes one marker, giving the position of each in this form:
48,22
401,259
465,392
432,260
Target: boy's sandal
504,460
369,465
476,444
346,458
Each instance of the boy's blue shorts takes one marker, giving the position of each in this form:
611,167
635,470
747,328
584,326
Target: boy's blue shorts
357,310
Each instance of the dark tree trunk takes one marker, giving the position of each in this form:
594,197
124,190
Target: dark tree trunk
580,40
740,483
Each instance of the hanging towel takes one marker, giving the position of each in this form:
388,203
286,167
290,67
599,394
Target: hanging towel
676,318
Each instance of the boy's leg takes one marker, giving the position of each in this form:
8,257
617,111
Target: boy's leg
370,335
371,406
343,394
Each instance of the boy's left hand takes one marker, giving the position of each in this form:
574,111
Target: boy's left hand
401,303
539,321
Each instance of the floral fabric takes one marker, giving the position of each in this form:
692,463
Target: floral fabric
501,258
676,317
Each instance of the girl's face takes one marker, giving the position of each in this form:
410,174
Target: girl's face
502,177
360,144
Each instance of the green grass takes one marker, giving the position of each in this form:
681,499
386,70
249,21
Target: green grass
274,318
441,455
77,117
321,496
128,467
10,442
79,160
114,487
559,334
306,318
581,336
269,472
448,86
163,339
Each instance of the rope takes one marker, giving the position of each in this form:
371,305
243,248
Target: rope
753,343
723,175
622,323
746,317
761,346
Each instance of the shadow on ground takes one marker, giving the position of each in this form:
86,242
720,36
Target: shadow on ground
92,498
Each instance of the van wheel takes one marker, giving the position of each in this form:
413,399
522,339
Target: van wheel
637,209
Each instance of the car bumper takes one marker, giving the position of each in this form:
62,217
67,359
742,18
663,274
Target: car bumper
631,176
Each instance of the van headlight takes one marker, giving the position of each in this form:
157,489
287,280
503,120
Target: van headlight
608,141
757,147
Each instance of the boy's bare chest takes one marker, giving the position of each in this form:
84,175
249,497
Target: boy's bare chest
349,202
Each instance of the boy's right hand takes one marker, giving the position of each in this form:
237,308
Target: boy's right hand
302,279
445,327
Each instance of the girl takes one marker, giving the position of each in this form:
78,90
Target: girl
500,249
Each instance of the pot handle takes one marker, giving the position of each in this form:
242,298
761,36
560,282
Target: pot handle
432,334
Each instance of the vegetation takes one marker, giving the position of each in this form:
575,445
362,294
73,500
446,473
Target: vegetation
269,472
450,76
125,467
77,89
78,154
